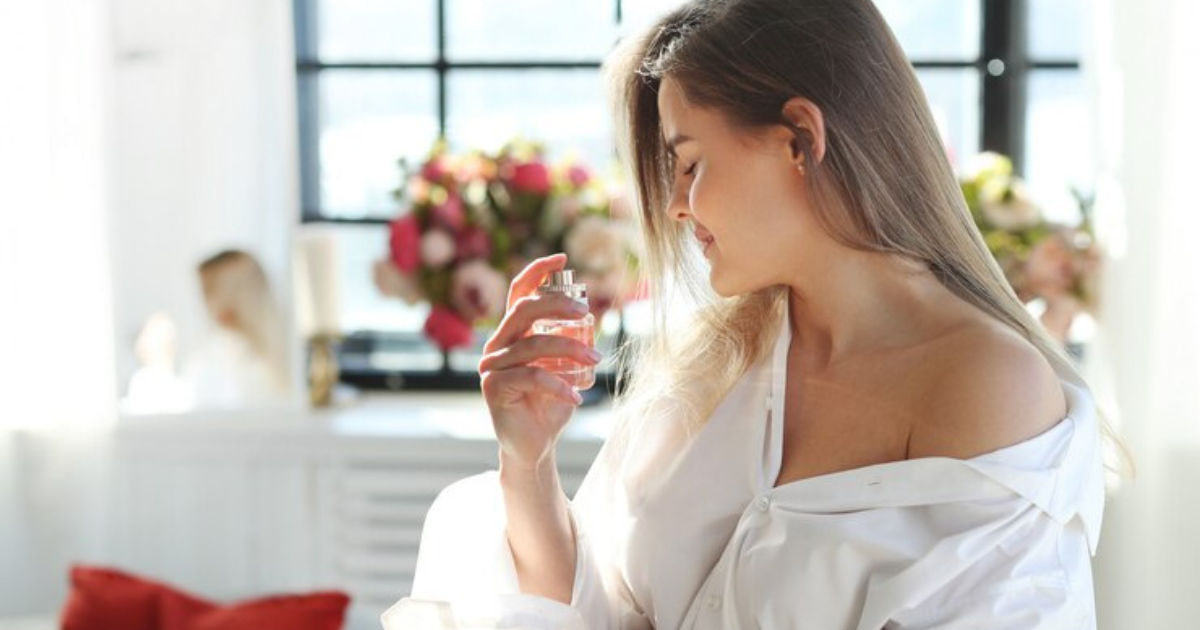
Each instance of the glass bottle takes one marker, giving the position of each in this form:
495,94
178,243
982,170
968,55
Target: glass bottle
578,375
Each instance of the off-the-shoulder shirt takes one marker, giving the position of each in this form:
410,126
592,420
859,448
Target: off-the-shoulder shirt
689,531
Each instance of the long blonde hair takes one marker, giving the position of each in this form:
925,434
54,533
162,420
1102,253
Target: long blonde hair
234,283
885,184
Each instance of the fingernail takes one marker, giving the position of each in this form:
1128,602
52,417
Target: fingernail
579,307
595,355
576,397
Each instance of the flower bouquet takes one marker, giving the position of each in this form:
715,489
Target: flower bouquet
472,221
1056,263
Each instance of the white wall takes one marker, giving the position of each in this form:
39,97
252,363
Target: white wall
136,137
56,357
1146,569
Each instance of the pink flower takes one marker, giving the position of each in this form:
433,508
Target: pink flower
618,204
434,170
477,290
447,328
450,214
1050,270
474,242
405,239
391,282
531,177
578,175
638,292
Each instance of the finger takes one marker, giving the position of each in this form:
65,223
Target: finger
528,380
527,310
527,281
536,347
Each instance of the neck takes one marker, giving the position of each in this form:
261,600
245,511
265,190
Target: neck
865,303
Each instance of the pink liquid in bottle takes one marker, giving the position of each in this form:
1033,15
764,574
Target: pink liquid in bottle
578,375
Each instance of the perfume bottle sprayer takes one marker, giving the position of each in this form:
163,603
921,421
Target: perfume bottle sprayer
578,375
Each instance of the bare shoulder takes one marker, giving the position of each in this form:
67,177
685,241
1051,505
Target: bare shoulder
989,388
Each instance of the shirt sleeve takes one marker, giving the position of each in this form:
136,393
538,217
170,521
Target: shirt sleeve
1012,605
466,576
1039,580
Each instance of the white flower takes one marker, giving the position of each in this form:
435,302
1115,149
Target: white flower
596,245
989,165
437,248
598,248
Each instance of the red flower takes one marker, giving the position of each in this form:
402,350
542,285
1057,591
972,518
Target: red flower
473,242
531,177
405,243
447,328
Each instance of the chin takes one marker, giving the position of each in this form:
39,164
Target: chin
727,288
729,281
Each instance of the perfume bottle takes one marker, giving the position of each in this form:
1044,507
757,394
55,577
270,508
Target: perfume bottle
578,375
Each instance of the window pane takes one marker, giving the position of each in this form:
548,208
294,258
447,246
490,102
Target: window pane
934,29
377,30
570,30
954,100
638,15
565,109
361,307
1059,150
369,120
1056,29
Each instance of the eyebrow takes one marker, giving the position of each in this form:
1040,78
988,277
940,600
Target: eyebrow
676,141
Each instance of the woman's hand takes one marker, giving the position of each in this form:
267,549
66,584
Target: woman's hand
530,406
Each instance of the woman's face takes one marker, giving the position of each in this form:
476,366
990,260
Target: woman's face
742,193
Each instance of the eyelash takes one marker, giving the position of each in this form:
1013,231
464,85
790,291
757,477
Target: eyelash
691,169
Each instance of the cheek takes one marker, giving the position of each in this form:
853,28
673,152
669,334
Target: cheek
747,194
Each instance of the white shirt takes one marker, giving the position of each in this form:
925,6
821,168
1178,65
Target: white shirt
698,538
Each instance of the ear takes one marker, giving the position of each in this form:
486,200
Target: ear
807,124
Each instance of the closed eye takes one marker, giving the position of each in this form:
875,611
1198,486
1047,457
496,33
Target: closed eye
691,169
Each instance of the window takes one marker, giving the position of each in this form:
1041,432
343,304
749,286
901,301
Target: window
380,79
1057,135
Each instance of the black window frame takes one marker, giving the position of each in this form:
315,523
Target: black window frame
1004,65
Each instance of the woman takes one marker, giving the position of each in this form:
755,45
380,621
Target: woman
242,360
862,428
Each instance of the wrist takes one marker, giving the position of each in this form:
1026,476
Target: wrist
516,469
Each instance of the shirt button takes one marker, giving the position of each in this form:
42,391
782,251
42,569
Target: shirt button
763,504
714,602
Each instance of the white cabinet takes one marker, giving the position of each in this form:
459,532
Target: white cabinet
241,504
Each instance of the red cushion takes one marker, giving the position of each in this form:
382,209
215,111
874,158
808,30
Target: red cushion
177,610
104,599
101,599
314,611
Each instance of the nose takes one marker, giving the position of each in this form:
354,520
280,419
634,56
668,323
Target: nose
679,206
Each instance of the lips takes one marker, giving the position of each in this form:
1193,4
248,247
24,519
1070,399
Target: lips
705,237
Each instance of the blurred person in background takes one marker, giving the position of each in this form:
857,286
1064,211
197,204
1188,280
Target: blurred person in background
242,360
